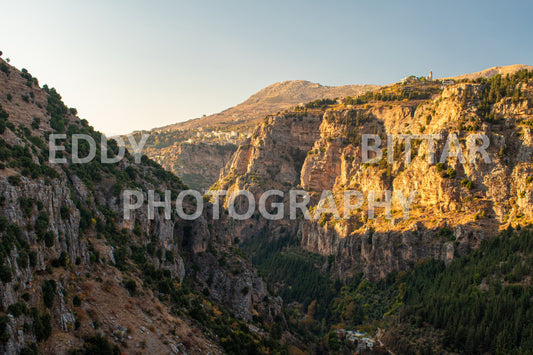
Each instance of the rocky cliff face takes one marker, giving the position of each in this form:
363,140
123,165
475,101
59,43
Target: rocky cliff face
457,204
72,265
189,150
197,164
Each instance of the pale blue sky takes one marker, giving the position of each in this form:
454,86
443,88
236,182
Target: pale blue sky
129,65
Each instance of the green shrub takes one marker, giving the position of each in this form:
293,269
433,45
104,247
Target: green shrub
97,345
57,109
42,325
41,225
4,335
49,171
63,260
4,67
76,301
64,211
120,258
324,219
5,274
3,223
22,260
17,309
169,256
467,183
49,289
450,173
5,153
33,258
35,123
320,103
3,119
30,349
333,341
38,142
131,286
49,239
26,205
14,180
447,233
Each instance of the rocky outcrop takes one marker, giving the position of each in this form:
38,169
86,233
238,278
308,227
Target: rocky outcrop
457,203
197,164
280,144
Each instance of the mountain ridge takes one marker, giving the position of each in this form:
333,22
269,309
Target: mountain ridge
271,93
213,138
172,145
490,72
272,98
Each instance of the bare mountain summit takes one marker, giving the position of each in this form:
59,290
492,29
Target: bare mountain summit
273,98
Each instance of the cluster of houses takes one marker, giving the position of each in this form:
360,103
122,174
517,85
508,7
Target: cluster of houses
218,137
412,79
363,340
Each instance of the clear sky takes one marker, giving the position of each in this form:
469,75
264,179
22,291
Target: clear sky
128,64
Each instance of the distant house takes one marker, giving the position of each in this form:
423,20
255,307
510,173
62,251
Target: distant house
369,343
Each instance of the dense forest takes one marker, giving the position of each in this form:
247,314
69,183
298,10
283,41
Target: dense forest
481,303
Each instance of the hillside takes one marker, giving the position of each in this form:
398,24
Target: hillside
77,276
212,139
489,73
273,98
319,149
354,261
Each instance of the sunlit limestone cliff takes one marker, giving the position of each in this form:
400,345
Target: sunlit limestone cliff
458,202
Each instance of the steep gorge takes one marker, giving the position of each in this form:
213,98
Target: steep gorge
72,266
456,206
